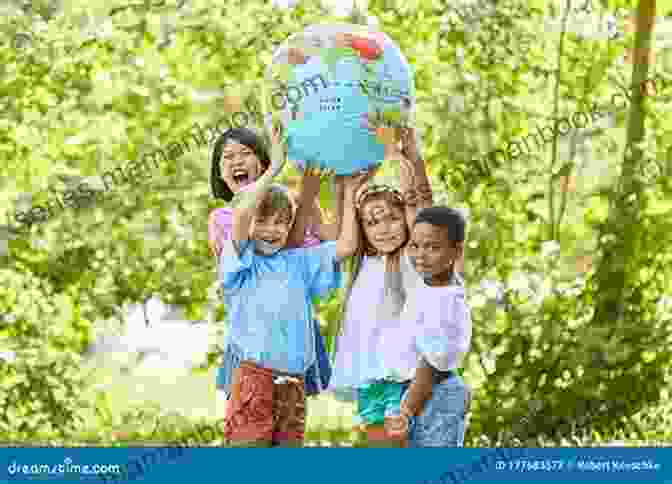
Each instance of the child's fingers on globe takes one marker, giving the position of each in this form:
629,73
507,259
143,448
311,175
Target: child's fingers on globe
314,170
363,177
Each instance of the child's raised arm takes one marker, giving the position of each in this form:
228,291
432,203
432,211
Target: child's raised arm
414,180
305,211
348,240
331,231
420,390
340,194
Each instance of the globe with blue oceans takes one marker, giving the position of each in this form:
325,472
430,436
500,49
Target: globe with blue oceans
333,87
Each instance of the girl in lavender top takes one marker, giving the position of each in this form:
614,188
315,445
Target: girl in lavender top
239,158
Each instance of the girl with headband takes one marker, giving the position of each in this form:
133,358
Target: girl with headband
375,354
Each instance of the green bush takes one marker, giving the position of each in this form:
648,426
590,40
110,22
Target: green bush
43,389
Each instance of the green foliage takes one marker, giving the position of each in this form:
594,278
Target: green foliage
42,387
99,84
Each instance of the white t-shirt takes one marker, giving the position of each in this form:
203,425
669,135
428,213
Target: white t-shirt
441,321
371,345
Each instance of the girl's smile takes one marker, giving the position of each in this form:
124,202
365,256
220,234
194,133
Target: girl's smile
384,225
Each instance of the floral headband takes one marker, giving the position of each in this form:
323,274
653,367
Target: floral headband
374,188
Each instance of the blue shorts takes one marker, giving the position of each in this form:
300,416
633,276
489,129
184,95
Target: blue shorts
442,421
374,399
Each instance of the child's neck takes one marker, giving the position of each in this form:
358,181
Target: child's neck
441,280
438,281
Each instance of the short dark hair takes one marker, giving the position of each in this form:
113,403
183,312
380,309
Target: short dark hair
449,218
244,136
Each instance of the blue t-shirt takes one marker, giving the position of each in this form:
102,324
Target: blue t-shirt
269,301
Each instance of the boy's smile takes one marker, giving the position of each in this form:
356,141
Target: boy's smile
271,231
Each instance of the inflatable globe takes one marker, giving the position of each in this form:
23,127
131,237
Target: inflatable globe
335,88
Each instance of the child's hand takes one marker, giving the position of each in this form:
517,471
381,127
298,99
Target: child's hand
216,241
310,183
353,182
396,427
278,158
343,182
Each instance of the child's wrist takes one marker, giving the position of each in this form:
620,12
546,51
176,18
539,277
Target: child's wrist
404,410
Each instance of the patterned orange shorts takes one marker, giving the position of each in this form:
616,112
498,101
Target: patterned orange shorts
265,408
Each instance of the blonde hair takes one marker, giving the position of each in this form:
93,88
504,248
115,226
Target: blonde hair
278,199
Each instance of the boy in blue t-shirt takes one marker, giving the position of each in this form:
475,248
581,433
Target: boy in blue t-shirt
268,292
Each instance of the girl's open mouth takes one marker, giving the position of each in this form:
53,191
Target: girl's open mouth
241,177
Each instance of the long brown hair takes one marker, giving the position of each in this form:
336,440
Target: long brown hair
364,249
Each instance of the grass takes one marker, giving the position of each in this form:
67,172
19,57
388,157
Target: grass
185,399
156,407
